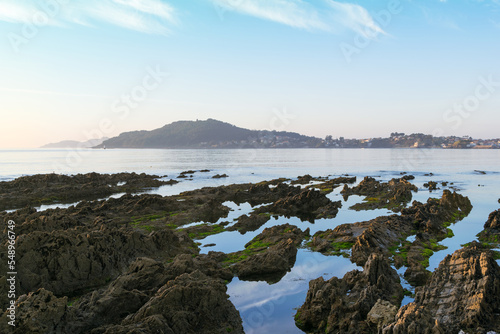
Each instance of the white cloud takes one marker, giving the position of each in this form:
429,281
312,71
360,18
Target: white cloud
327,15
149,16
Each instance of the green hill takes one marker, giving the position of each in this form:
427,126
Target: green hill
208,134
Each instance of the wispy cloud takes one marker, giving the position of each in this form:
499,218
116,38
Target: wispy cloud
325,15
148,16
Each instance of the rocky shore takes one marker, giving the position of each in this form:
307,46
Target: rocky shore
133,264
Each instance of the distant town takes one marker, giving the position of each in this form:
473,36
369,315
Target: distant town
396,140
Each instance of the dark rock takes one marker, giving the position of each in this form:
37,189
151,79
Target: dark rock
428,221
67,262
308,204
462,294
493,221
130,291
270,255
54,188
343,305
431,185
392,195
192,303
249,223
124,296
305,179
491,232
38,312
219,176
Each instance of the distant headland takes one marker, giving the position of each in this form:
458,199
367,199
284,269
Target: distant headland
211,133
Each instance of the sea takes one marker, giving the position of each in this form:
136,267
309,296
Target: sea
265,307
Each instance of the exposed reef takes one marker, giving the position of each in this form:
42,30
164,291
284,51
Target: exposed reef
54,188
392,195
133,265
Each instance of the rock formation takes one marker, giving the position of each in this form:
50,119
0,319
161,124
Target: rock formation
350,304
462,294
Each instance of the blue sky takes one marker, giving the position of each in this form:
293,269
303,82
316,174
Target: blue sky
75,69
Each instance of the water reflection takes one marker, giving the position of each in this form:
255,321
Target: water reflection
267,308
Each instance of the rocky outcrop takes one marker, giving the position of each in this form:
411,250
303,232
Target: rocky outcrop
270,255
132,290
491,232
387,234
39,312
431,185
462,294
249,223
350,304
309,204
382,314
144,299
393,195
192,303
54,188
70,261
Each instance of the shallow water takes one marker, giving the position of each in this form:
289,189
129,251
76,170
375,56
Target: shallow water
269,308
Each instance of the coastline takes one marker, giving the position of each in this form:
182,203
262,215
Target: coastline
153,222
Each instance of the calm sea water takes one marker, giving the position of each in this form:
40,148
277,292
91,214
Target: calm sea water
269,308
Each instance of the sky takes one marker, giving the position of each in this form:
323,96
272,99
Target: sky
81,69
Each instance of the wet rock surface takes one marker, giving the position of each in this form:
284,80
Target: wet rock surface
462,294
191,303
392,195
54,188
269,256
308,204
130,265
387,235
38,312
344,305
491,232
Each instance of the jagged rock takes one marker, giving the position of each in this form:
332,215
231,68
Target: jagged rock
343,305
270,255
431,185
130,291
462,294
68,261
270,265
209,264
382,313
491,232
192,303
54,188
249,223
305,179
308,204
392,195
38,312
428,221
493,221
219,176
